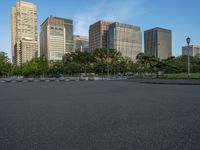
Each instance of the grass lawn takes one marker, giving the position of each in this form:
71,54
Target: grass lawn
177,76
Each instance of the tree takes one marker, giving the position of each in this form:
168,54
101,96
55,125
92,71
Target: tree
106,60
148,64
142,63
71,68
83,59
56,67
5,65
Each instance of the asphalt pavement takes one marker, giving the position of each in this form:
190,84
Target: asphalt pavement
99,115
168,81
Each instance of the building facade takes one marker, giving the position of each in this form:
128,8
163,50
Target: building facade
194,50
81,43
56,38
158,42
125,38
24,37
98,35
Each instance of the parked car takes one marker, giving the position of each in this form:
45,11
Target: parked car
57,75
130,75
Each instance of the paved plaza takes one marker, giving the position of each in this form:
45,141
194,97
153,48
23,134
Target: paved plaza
99,115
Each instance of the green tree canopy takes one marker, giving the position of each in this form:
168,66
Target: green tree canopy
5,65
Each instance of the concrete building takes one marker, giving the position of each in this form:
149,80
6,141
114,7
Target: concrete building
125,38
194,50
81,43
98,35
24,37
56,38
158,42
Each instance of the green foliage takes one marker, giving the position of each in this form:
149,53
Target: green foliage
56,67
178,76
35,67
72,68
150,64
5,65
107,61
180,64
81,62
100,61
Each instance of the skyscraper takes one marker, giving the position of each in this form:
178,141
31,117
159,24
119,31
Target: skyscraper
56,38
158,42
125,38
81,43
24,43
98,35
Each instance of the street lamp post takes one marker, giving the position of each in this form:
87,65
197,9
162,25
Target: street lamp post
107,62
188,44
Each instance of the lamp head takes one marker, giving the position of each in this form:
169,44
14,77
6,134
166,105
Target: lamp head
188,40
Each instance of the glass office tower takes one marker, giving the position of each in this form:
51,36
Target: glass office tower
125,38
56,38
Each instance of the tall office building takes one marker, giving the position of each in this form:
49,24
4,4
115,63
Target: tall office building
24,43
158,42
98,35
56,38
125,38
81,43
194,50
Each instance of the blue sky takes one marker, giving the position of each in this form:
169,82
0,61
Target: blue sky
181,16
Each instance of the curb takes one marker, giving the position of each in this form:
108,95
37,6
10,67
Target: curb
50,80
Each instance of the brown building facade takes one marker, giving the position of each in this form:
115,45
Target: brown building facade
98,35
123,37
24,43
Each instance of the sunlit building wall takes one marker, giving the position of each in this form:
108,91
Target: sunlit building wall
125,38
24,38
56,38
98,35
194,50
158,42
81,43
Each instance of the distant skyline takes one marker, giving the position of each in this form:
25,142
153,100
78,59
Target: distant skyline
181,16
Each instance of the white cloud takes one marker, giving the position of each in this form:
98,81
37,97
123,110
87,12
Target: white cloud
115,10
